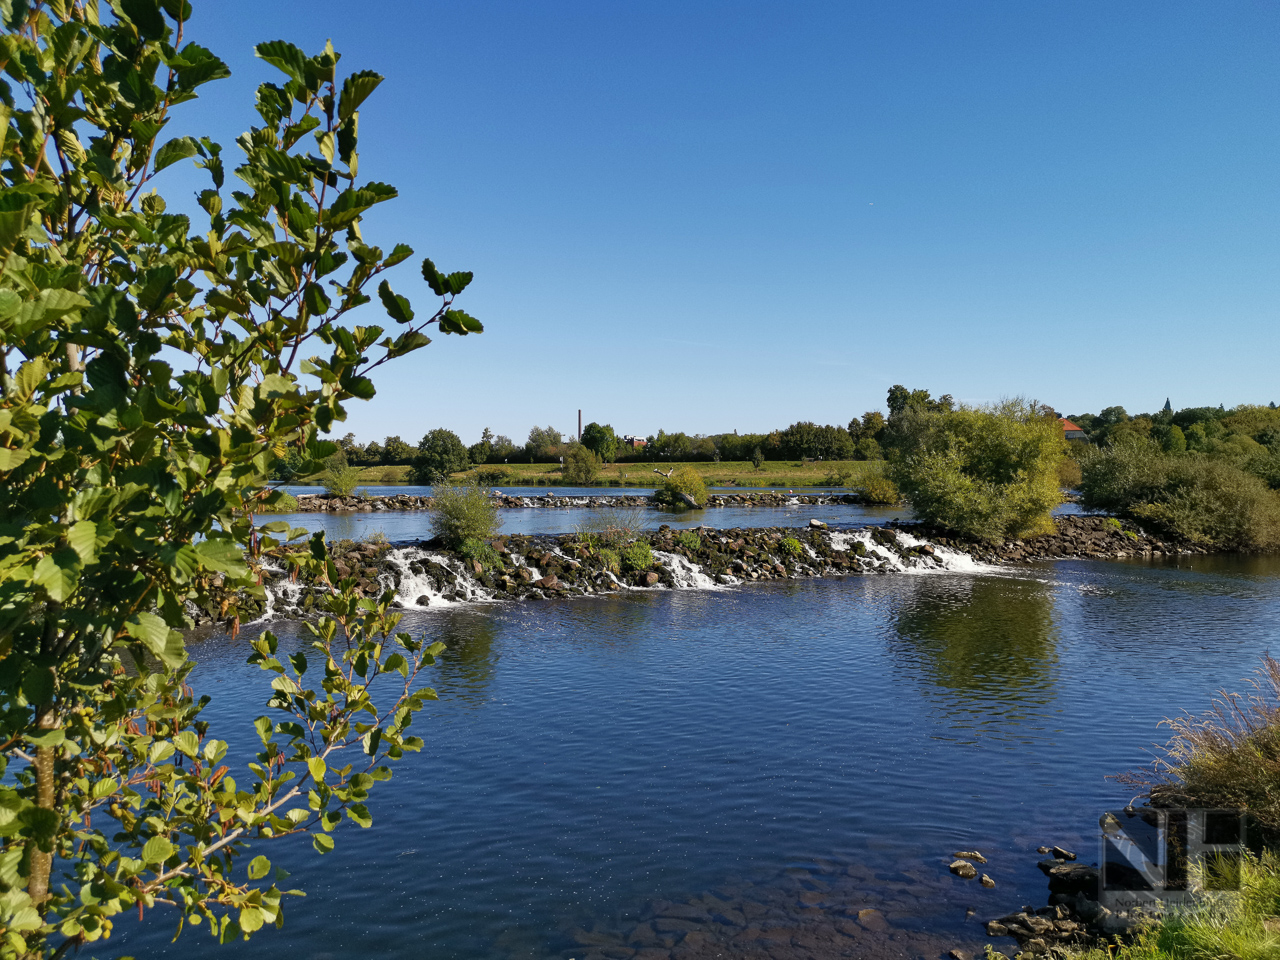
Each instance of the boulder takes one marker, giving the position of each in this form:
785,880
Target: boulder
963,869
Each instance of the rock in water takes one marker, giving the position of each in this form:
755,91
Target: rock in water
964,869
689,501
817,524
1061,854
987,882
970,855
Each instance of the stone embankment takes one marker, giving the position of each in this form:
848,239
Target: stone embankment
326,503
1075,537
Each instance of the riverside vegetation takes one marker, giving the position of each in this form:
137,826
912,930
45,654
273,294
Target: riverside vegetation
151,381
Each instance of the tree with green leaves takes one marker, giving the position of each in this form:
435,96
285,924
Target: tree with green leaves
601,440
153,373
988,473
440,453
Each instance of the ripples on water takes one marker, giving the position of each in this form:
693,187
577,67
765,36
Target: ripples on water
802,751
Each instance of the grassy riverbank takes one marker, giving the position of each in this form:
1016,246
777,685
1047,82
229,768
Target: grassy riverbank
740,473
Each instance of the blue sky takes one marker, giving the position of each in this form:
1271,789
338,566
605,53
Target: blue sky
714,216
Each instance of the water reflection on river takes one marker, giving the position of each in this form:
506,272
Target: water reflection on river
799,753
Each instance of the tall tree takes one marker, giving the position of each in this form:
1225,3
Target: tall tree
151,379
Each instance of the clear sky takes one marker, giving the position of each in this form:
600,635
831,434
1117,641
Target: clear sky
713,216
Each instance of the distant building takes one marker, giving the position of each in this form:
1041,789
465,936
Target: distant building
1071,431
1168,407
635,443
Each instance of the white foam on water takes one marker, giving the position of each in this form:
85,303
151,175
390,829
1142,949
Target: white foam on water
943,559
686,574
464,589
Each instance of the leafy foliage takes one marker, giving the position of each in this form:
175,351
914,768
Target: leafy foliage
876,488
440,453
601,440
1194,497
581,465
150,382
688,539
477,550
637,556
684,481
986,473
791,546
461,513
339,478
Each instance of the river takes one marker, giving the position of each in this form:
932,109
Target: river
795,752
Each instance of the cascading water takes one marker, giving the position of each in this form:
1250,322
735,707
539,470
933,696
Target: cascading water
424,579
686,574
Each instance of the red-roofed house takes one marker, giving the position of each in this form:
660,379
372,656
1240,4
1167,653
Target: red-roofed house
1072,431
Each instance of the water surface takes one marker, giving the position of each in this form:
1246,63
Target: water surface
800,750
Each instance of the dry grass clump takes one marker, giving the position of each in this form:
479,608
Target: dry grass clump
1228,757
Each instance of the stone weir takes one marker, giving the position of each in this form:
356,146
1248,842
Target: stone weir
519,567
327,503
425,575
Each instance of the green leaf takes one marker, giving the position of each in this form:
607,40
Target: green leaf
59,573
176,149
83,537
398,308
455,321
224,556
51,738
355,90
187,743
284,56
157,850
12,459
146,16
250,918
322,842
259,867
263,726
317,767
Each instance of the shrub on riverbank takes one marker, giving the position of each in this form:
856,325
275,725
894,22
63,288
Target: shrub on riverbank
683,480
1202,500
281,502
1228,757
340,479
460,513
875,489
987,473
581,465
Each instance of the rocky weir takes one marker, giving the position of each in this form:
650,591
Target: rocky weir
328,503
517,568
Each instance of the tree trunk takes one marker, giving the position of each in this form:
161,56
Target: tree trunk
40,861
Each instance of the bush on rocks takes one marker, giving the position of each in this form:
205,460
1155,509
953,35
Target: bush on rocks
461,513
791,546
988,473
683,480
476,549
637,557
878,489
